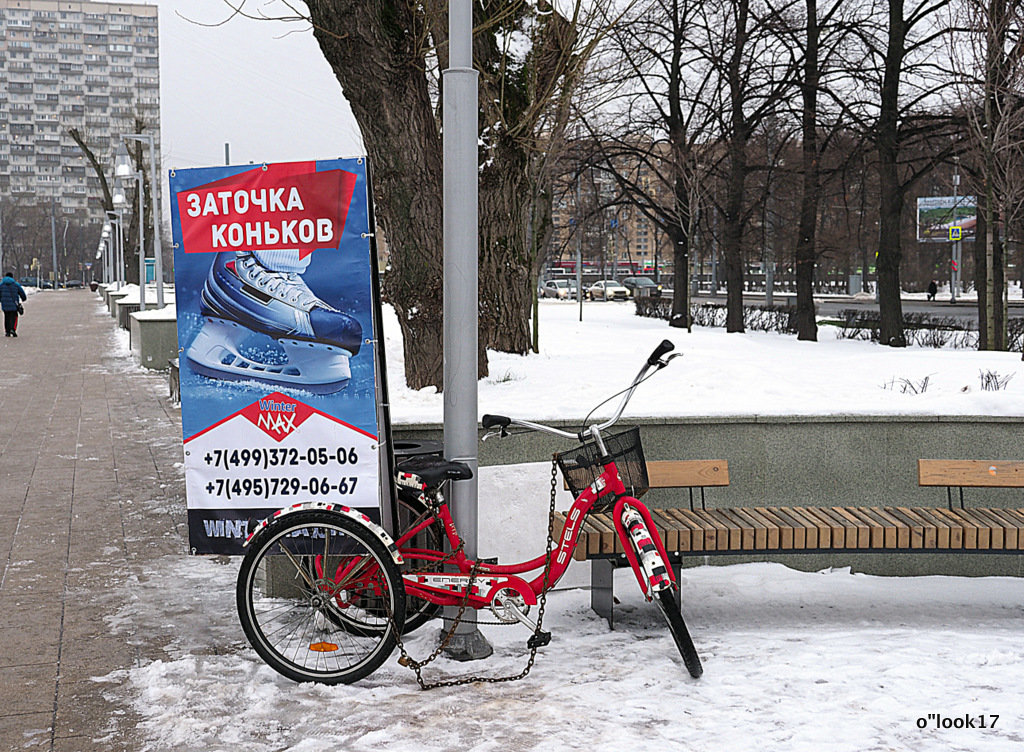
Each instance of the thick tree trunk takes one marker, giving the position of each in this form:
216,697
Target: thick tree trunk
890,190
679,233
739,132
989,277
505,279
375,53
806,246
680,317
732,237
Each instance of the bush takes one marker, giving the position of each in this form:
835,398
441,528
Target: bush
755,318
921,329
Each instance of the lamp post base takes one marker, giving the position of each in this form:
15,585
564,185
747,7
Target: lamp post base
467,646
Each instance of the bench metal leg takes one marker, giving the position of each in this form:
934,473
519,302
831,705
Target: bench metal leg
602,596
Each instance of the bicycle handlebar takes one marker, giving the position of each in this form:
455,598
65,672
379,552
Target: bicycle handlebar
660,350
495,421
501,422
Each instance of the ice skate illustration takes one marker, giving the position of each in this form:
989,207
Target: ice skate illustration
252,292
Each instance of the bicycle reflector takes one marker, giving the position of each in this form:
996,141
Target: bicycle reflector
323,647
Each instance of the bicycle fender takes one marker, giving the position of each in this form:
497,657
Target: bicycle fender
360,518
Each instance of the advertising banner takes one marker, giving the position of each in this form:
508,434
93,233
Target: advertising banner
937,215
276,329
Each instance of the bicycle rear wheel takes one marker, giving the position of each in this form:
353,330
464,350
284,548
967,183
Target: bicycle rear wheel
676,625
320,598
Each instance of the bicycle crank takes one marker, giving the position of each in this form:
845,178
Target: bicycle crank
510,607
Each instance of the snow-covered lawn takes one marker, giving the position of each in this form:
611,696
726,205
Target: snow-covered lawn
756,373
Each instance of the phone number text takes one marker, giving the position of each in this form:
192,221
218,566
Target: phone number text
265,488
280,457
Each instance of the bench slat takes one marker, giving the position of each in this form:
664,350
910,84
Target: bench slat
971,473
1014,529
705,531
824,532
690,538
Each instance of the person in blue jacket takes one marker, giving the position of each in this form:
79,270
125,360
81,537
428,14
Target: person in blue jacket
10,292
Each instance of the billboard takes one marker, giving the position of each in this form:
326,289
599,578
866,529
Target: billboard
937,215
274,276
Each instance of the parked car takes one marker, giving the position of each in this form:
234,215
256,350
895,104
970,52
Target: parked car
608,289
29,282
640,287
72,283
562,289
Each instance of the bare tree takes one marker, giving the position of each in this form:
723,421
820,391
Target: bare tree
141,192
988,54
743,42
822,44
652,131
387,55
904,75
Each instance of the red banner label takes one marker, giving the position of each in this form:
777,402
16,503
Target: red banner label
277,207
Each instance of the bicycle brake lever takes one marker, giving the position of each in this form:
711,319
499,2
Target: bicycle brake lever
665,361
501,433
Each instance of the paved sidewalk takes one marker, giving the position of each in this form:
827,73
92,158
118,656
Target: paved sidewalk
91,493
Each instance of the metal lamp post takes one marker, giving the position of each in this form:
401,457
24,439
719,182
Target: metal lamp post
158,267
118,201
461,307
122,170
105,248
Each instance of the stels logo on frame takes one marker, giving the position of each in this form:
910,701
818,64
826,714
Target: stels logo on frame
277,415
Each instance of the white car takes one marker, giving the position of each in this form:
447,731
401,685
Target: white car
562,289
608,289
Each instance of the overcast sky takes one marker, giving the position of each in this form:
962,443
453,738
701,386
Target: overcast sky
262,87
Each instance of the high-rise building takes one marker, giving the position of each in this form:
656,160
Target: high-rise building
89,66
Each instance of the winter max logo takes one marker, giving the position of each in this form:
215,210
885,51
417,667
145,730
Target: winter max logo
277,415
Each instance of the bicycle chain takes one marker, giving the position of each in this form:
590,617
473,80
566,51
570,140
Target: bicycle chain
406,660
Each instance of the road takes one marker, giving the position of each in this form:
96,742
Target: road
830,305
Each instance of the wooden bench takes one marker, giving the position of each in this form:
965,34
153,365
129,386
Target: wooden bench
699,531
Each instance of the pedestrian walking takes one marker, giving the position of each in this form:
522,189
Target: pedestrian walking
933,290
11,295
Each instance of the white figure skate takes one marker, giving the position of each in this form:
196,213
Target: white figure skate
242,297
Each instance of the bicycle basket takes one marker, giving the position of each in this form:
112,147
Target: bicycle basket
581,466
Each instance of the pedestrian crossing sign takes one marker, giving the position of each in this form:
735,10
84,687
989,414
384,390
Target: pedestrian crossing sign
955,233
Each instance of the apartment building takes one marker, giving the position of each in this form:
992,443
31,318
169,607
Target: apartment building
92,66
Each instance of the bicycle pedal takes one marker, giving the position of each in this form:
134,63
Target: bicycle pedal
538,640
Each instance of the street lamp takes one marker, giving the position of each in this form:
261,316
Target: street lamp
122,169
158,268
118,201
105,246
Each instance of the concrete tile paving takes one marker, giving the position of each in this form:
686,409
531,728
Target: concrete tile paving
89,498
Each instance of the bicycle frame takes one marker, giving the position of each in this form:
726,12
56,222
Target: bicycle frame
367,566
449,589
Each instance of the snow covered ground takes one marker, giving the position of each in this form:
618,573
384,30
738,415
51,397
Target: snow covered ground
799,662
794,661
755,373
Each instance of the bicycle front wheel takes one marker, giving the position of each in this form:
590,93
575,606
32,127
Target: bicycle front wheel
676,625
320,598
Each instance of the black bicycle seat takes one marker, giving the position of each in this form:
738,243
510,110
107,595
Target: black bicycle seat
434,470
